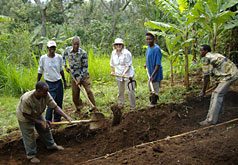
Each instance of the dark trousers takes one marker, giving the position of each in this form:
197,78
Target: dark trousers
57,92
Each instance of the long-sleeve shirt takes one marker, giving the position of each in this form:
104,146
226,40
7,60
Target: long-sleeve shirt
78,62
121,62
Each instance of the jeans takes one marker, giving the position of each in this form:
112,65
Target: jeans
28,136
57,92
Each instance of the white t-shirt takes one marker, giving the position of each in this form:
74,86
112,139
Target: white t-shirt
51,67
121,62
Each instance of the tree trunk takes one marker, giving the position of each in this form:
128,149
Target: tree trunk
62,11
43,17
233,46
43,22
194,45
115,16
172,73
113,29
214,41
186,74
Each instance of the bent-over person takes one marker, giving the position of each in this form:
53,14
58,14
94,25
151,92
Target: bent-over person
219,66
29,114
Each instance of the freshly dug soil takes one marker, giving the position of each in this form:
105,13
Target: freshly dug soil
216,145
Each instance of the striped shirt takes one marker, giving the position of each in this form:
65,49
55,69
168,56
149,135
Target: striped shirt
78,62
219,66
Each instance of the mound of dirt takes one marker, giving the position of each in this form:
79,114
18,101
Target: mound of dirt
139,127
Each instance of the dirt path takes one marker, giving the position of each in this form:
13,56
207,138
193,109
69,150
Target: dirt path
213,146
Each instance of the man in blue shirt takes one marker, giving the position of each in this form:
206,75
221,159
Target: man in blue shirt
153,64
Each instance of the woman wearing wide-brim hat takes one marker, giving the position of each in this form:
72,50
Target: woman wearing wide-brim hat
121,61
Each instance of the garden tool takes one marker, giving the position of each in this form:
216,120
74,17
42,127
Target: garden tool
212,88
96,121
153,97
94,108
131,81
209,90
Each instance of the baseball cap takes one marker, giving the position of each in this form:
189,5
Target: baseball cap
51,43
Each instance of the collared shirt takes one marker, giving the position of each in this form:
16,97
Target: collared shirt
219,66
121,62
51,67
153,58
78,62
30,105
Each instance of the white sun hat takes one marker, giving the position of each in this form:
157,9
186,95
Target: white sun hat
118,41
51,43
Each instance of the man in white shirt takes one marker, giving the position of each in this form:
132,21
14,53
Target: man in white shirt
51,65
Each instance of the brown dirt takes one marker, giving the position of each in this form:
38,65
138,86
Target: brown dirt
129,140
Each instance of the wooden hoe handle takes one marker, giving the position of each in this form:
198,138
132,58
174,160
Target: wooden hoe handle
117,75
82,90
151,84
72,122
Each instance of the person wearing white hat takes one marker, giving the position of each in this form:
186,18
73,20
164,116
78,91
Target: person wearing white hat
121,61
51,65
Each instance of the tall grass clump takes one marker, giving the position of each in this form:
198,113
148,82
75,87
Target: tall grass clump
19,79
99,66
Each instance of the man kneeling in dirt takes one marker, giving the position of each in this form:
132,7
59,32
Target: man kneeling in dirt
226,71
29,113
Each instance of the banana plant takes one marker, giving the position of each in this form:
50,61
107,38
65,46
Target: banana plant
182,27
173,50
4,18
214,17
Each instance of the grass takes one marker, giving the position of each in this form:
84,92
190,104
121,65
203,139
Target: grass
8,120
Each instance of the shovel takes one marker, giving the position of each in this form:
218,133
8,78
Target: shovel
153,97
130,81
95,115
96,121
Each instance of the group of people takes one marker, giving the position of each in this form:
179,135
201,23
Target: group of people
121,64
50,93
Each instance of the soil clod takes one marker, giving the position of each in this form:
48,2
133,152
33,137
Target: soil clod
117,113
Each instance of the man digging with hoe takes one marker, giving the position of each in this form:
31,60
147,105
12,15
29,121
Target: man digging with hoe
216,65
29,114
